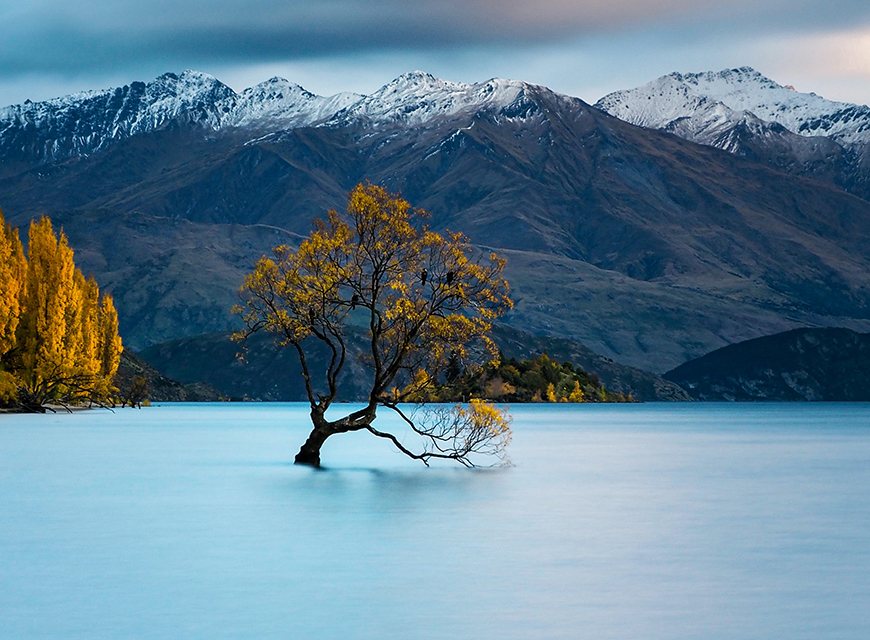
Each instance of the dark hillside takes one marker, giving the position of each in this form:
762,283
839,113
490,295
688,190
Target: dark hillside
804,364
159,387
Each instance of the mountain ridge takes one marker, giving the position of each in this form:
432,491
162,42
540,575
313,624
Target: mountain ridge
86,122
646,247
660,102
711,100
747,114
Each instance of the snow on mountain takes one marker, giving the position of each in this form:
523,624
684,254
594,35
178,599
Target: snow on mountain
283,104
717,125
86,122
712,100
418,98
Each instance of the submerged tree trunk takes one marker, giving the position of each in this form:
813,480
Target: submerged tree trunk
309,453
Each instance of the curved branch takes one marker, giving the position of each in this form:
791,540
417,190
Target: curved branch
306,375
423,457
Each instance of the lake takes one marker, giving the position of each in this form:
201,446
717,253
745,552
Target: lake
615,521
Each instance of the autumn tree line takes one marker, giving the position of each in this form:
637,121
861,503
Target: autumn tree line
59,341
539,379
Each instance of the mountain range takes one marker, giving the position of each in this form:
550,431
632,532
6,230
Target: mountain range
649,248
743,112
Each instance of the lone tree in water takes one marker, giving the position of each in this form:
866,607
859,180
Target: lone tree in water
426,302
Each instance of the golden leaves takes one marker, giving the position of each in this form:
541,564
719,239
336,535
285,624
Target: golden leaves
13,267
65,345
109,341
485,417
424,297
373,258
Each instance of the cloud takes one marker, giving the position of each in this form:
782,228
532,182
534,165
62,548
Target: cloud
578,47
837,53
832,63
53,36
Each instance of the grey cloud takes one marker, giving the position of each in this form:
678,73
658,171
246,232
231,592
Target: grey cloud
46,36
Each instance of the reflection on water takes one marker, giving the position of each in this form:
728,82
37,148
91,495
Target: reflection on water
641,521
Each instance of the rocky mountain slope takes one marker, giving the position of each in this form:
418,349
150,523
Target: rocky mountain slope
733,93
648,248
803,364
746,113
85,123
159,387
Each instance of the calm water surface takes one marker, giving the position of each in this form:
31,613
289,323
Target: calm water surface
646,521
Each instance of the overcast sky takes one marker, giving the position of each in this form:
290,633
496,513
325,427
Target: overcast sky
584,48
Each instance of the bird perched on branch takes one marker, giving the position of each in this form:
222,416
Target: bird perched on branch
423,275
450,276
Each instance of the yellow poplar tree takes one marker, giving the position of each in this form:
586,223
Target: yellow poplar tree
110,342
12,271
66,342
551,393
577,394
89,354
43,322
13,266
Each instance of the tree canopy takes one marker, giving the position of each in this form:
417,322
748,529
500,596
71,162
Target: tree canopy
427,300
59,339
538,379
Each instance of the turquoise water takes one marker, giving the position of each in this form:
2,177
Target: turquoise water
642,521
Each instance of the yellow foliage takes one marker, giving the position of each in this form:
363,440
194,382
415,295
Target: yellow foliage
43,321
89,356
421,388
110,347
486,419
8,388
422,295
12,273
59,326
424,298
576,394
551,393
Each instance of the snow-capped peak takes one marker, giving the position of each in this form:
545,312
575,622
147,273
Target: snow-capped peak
283,104
189,87
86,122
416,98
658,104
139,104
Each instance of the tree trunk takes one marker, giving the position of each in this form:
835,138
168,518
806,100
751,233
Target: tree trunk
309,453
